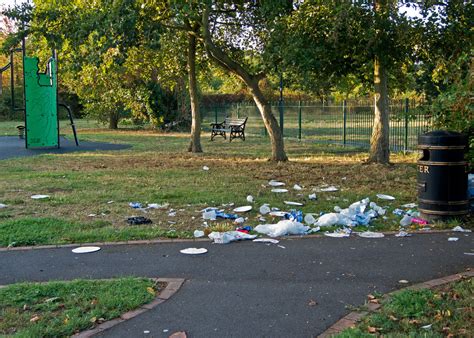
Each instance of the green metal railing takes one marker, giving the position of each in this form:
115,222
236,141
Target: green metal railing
346,122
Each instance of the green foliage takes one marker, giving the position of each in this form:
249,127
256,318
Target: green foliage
60,308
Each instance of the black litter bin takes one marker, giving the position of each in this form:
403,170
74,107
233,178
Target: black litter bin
442,175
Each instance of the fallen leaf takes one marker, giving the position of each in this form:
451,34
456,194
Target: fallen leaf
372,329
50,300
34,319
94,302
312,302
150,290
93,319
413,321
393,318
370,297
66,320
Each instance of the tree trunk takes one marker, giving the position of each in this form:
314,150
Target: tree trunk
379,142
251,81
195,145
114,118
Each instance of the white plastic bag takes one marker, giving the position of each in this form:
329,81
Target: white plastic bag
284,227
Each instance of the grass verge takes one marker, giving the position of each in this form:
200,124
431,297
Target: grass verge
444,311
57,309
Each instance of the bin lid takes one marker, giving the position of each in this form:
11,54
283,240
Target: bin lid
443,138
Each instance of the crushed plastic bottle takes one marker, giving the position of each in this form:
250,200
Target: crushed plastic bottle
406,221
264,209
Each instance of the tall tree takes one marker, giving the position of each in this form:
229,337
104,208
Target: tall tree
228,27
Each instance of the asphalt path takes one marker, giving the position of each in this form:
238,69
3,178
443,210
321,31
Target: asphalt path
12,147
251,289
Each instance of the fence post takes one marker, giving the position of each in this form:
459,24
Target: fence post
299,120
344,115
405,146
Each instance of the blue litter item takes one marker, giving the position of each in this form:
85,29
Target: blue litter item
295,215
362,219
135,205
246,228
226,216
398,212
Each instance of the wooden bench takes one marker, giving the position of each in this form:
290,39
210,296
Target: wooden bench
235,127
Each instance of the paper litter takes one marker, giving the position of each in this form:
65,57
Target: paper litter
135,205
86,249
461,229
264,209
453,239
39,197
275,183
157,206
193,251
229,236
2,205
370,234
410,205
198,233
266,240
250,199
403,234
312,197
385,197
329,189
205,168
282,228
297,187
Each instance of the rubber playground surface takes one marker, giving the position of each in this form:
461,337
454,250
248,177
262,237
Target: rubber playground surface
13,146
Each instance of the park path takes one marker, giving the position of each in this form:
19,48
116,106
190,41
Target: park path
251,289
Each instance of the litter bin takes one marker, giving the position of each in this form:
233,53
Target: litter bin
21,131
442,175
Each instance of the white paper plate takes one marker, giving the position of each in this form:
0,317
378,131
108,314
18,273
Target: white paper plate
329,189
293,203
370,234
85,249
39,197
279,190
276,183
243,209
386,197
266,240
336,234
193,251
278,213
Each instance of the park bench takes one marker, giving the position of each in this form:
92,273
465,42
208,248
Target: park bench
234,126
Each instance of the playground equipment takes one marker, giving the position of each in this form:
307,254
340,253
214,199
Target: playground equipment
40,101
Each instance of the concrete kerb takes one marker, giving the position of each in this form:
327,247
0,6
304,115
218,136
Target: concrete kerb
172,286
351,319
180,240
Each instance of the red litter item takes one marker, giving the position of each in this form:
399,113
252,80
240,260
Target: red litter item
419,221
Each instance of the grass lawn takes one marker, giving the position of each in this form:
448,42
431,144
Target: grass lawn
90,191
445,311
57,309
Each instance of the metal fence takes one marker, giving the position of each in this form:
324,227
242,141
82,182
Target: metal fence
346,122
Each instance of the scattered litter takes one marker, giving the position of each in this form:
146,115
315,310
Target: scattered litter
262,219
295,215
279,190
166,330
198,233
312,197
403,234
2,205
427,327
86,249
419,221
146,332
312,302
336,234
297,187
275,209
239,220
135,205
385,197
453,239
281,246
243,209
410,205
221,214
278,213
329,189
315,229
293,203
250,199
398,212
266,240
309,219
284,227
469,253
193,251
158,206
172,214
209,214
205,168
406,221
92,215
276,183
39,197
110,202
229,236
461,229
403,281
245,229
264,209
137,220
370,234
